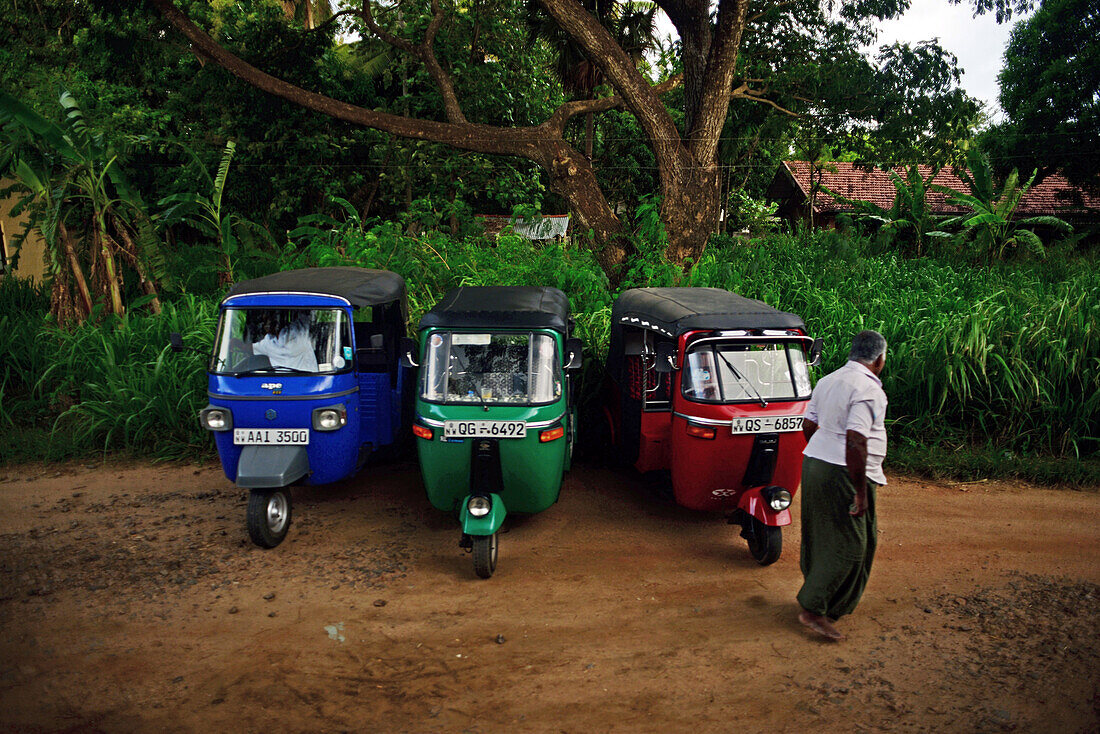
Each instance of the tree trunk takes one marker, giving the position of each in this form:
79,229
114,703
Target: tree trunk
573,178
77,270
110,272
589,134
129,251
61,300
689,210
695,49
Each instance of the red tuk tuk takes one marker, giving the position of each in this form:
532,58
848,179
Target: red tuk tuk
712,386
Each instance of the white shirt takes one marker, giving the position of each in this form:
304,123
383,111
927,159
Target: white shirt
291,348
850,399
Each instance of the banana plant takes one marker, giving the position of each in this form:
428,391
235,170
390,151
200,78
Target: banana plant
205,214
991,224
81,204
909,220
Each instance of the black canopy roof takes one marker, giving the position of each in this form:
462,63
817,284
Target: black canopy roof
360,286
488,307
673,311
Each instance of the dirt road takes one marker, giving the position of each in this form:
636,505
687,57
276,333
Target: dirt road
131,599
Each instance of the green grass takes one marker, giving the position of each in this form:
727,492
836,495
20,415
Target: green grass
108,387
972,463
992,371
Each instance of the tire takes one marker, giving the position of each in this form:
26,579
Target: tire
765,541
485,555
269,513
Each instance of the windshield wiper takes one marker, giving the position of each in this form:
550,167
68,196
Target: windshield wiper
480,394
742,378
464,364
273,368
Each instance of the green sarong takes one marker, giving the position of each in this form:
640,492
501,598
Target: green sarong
837,549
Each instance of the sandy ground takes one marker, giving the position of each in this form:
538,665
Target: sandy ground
132,600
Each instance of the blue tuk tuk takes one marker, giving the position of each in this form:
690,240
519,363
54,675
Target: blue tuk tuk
304,383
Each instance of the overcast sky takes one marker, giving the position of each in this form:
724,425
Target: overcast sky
979,43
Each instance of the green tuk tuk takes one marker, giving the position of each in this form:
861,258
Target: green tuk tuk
494,409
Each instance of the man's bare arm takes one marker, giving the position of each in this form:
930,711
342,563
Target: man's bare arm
855,456
809,428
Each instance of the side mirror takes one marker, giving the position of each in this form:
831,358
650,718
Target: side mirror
574,353
815,352
409,348
175,340
666,357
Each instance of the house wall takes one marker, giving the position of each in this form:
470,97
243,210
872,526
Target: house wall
32,255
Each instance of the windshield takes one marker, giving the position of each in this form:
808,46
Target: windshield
733,373
308,340
491,368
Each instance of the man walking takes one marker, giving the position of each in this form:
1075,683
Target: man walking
841,469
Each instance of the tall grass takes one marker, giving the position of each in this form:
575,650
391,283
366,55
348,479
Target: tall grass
434,263
1004,358
991,354
101,387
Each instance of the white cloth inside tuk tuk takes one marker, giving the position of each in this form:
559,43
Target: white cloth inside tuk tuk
292,348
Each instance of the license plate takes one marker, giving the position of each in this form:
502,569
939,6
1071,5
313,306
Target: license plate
484,429
768,424
271,436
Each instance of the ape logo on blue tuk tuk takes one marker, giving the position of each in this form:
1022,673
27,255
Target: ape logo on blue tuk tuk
331,335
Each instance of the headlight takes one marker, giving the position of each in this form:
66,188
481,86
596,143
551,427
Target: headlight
479,506
777,498
329,419
216,419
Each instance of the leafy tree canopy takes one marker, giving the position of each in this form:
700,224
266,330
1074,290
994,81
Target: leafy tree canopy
1050,93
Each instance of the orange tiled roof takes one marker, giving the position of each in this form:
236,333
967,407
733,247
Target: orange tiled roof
1055,195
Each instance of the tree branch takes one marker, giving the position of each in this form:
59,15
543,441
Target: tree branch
384,35
426,53
528,142
637,93
569,110
323,26
743,92
765,11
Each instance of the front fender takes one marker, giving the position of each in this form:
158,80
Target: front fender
262,467
752,503
482,525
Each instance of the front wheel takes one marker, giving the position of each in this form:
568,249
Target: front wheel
485,555
268,516
765,541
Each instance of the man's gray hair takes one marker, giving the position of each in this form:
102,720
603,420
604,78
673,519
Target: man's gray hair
867,347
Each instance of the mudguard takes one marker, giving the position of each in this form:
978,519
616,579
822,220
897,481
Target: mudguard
262,467
752,502
482,525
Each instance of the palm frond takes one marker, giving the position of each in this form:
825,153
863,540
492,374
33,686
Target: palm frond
223,174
